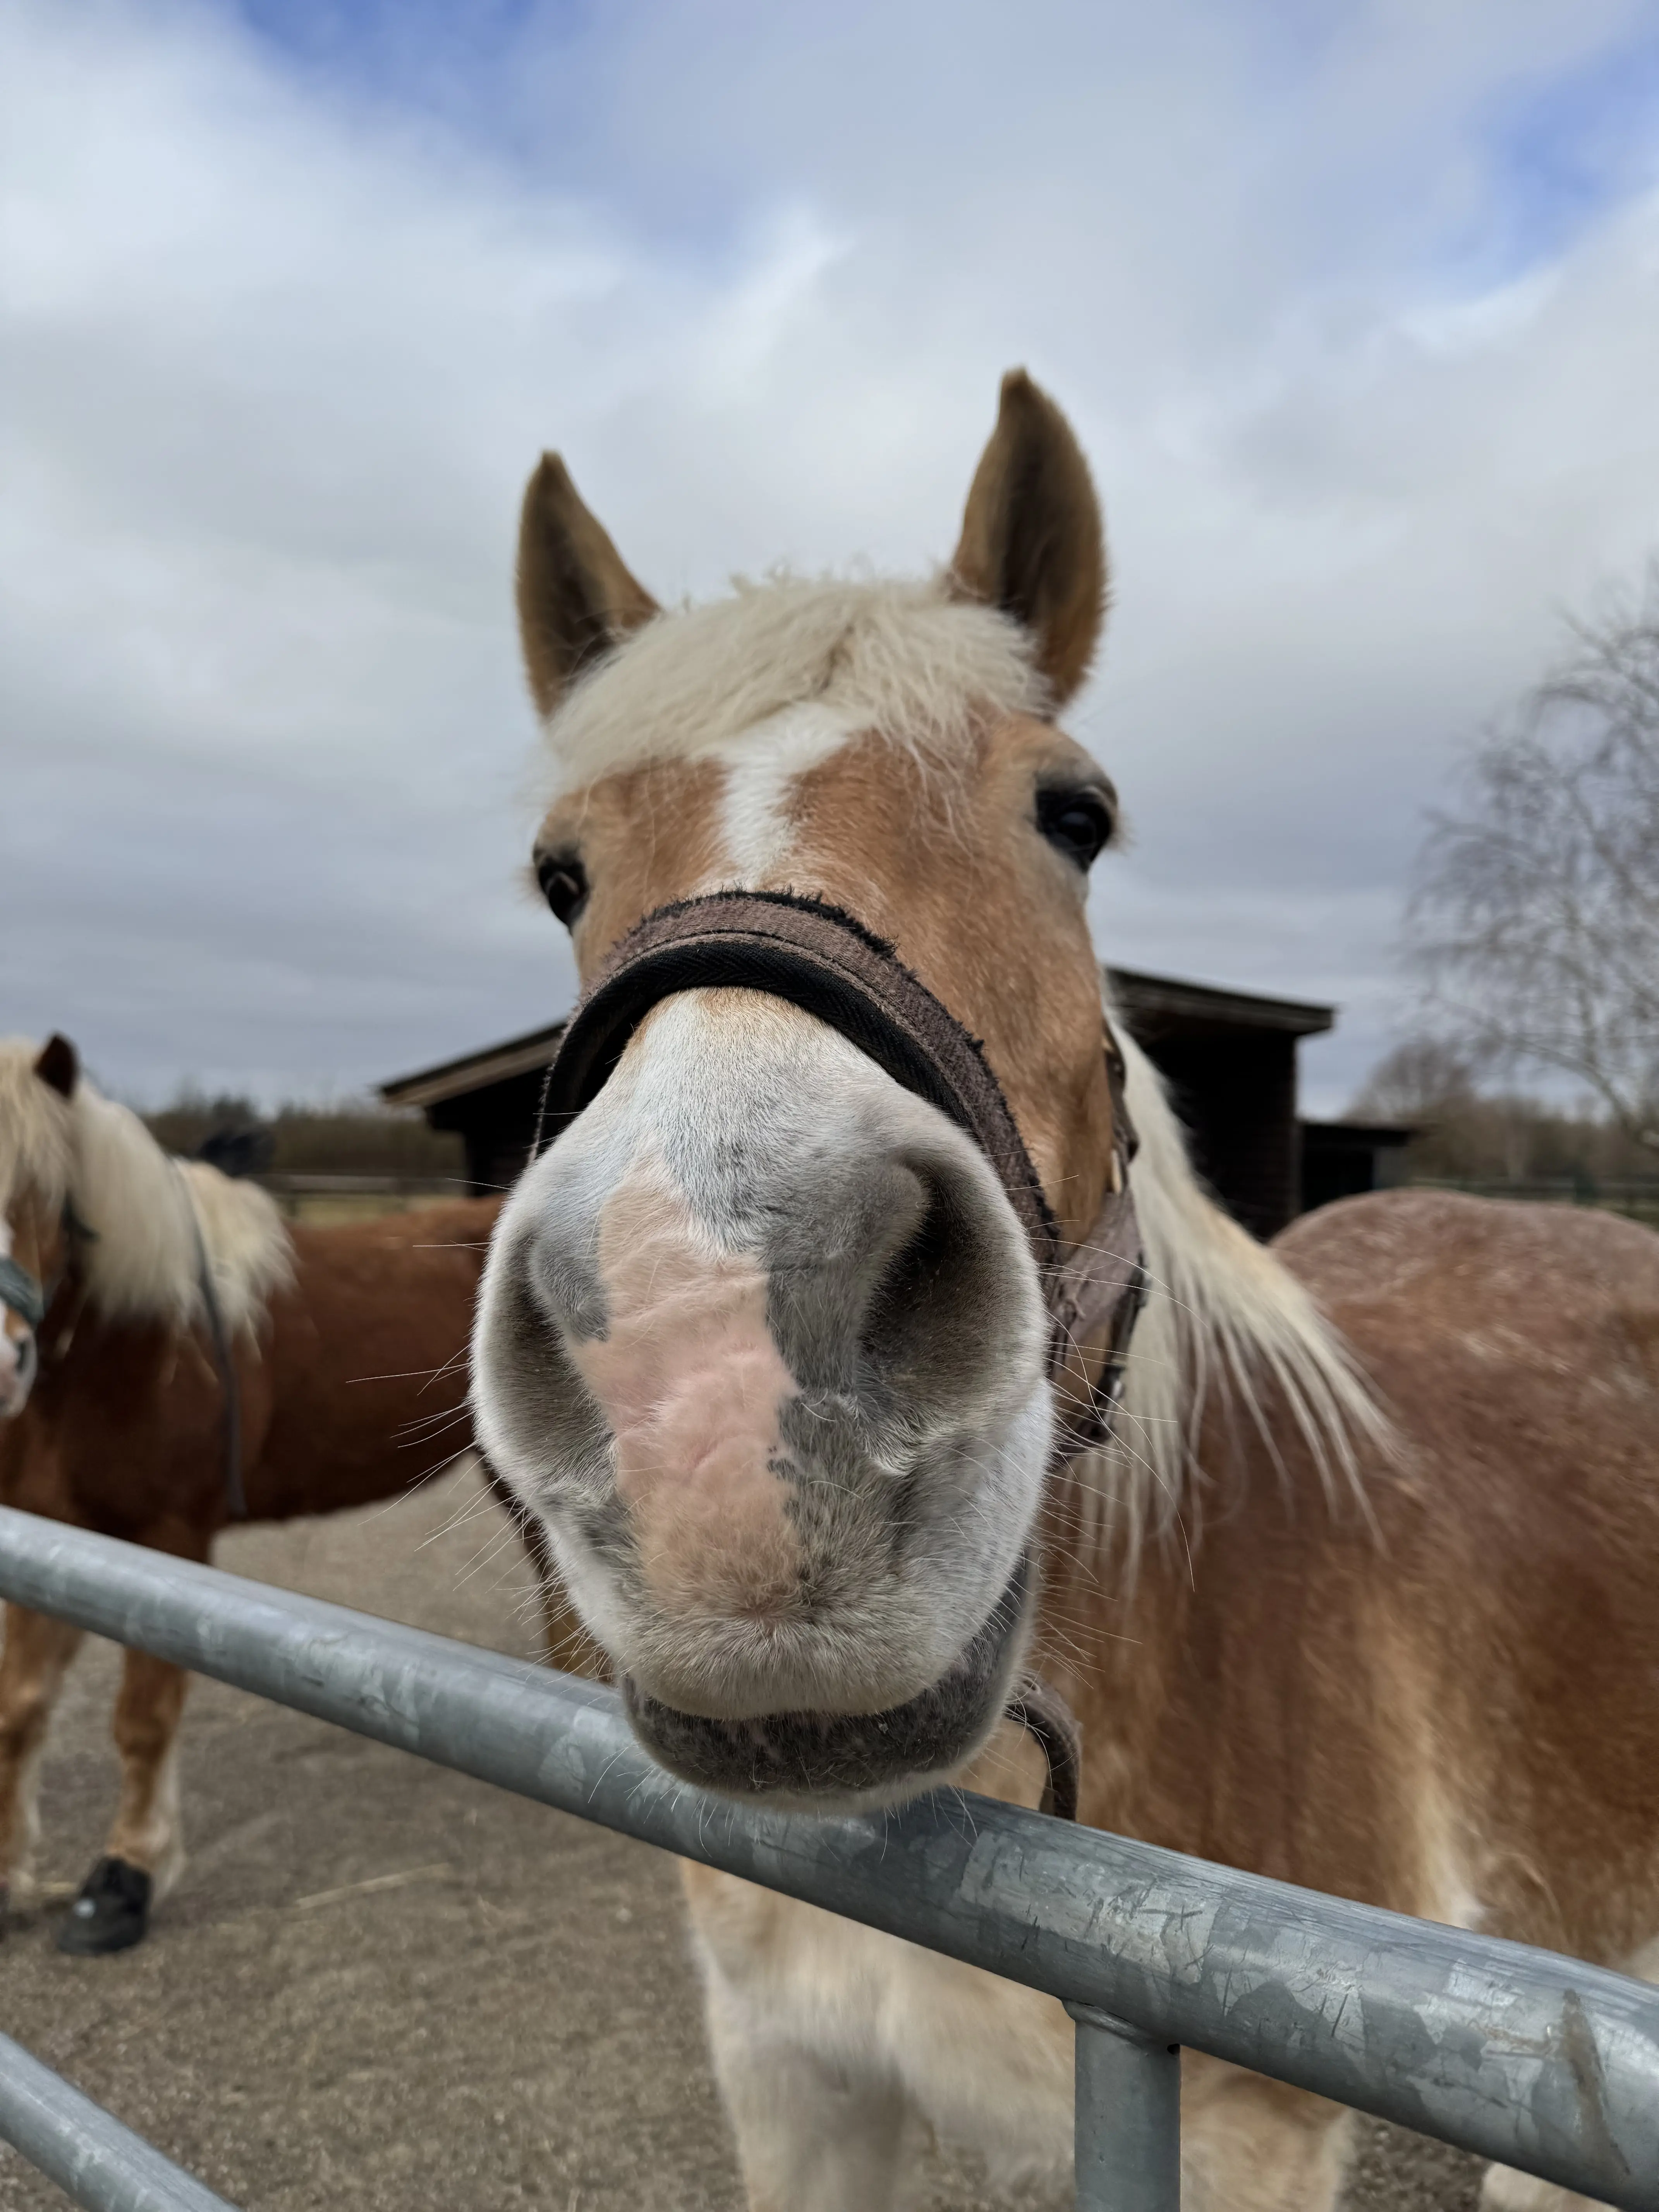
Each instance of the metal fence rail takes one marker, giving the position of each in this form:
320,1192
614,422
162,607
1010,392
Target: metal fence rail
1516,2054
88,2153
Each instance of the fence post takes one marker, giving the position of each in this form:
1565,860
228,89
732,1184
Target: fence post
1128,2117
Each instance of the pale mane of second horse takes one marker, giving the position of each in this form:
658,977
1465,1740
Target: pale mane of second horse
342,1343
1361,1595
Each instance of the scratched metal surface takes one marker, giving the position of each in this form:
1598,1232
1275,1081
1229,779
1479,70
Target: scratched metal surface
94,2161
1516,2054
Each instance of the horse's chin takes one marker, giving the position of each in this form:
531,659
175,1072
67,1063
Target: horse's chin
823,1762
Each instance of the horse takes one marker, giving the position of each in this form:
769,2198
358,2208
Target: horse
183,1359
1344,1562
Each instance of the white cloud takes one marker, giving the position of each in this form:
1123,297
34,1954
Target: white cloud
280,355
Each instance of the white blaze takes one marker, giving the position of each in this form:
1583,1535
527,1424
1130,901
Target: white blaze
761,766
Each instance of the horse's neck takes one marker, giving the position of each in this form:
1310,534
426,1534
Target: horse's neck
1158,1639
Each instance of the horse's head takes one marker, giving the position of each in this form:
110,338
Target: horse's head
35,1088
763,1339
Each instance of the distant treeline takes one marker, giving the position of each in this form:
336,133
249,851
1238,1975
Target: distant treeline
1517,1140
352,1138
1466,1137
1469,1135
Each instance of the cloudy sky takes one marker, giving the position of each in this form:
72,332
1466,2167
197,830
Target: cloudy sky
1356,308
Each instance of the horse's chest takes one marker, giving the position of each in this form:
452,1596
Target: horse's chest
986,2063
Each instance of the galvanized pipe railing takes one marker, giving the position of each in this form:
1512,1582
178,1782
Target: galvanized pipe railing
1516,2054
92,2156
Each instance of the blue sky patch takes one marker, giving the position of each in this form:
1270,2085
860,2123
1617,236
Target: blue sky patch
1563,150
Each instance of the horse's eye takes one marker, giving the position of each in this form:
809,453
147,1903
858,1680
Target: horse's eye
564,884
1076,823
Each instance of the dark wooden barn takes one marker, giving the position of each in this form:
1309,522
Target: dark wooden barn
490,1098
1229,1057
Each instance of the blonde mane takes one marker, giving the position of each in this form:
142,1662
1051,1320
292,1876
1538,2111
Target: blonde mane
1224,1319
146,1212
905,659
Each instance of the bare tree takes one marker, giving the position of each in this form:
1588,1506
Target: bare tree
1422,1079
1533,923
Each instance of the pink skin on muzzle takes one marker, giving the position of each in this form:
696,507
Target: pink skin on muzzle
691,1382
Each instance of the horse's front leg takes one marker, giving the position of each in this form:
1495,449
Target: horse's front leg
811,2137
1252,2145
145,1854
34,1661
818,2114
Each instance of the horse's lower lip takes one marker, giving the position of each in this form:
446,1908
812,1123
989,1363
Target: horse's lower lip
815,1760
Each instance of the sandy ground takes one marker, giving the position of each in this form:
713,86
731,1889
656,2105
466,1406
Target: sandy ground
385,1986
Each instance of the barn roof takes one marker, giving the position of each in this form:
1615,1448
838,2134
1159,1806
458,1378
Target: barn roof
475,1071
1154,1005
1170,1006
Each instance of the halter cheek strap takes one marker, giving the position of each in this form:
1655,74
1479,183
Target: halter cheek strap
21,1291
1097,1293
28,1297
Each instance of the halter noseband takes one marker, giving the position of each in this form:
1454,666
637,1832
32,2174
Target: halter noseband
830,965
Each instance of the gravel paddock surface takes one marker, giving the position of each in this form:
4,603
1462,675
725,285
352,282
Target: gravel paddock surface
384,1985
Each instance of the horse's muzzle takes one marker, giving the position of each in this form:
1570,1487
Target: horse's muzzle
817,1761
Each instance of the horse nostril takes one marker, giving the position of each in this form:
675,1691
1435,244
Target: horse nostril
942,1306
918,1272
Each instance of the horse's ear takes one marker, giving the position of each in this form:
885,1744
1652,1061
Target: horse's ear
575,597
58,1065
1032,541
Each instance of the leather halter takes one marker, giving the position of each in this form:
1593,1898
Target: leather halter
827,963
1046,1717
21,1291
28,1297
830,965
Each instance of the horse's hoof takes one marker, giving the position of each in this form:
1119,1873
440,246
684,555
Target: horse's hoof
112,1913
